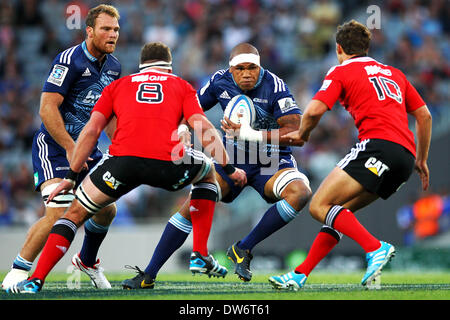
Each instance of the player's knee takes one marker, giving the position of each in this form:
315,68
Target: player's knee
294,187
298,195
106,216
76,213
316,209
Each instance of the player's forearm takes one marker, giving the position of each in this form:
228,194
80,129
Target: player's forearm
276,136
307,125
311,117
84,146
111,127
53,121
423,131
209,138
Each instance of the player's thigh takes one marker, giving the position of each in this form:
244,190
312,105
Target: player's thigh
223,185
337,188
360,201
90,200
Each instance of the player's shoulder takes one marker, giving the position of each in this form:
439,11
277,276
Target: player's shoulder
366,63
69,56
220,75
273,81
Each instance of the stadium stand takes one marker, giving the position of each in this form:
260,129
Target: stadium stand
295,42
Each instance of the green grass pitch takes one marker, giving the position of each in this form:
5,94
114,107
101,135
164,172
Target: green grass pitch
185,286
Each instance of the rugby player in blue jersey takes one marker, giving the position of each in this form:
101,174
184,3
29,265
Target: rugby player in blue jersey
74,84
267,160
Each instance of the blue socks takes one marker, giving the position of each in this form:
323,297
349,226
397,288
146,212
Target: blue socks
276,217
93,238
175,234
21,263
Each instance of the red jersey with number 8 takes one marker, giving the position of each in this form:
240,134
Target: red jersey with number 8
377,96
149,107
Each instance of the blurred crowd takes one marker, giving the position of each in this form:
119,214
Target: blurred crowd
295,40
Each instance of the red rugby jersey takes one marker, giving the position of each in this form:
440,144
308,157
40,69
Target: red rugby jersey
149,107
377,96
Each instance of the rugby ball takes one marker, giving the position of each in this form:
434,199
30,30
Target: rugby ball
240,105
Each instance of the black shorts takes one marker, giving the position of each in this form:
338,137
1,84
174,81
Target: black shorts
118,175
380,166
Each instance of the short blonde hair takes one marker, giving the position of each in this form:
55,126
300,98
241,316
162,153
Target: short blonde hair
102,8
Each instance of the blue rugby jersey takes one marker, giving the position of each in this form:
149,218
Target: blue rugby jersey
271,98
78,76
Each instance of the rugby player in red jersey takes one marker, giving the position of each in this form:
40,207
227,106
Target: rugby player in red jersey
379,98
149,107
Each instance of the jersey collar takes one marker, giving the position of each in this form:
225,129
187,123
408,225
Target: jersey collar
86,52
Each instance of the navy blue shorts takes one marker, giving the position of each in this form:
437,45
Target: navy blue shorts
257,177
49,160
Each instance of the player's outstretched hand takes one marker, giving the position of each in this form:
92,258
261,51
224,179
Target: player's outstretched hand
64,187
424,174
239,177
294,138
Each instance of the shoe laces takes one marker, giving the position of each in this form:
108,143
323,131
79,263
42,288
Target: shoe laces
140,273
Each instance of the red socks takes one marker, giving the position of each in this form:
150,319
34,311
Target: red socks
203,202
343,220
55,248
202,213
53,251
325,241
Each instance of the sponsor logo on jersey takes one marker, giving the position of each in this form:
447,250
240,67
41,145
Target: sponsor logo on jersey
225,95
110,181
58,75
259,100
373,70
376,166
287,104
325,85
86,73
146,77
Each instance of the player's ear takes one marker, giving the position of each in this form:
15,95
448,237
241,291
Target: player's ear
90,32
339,49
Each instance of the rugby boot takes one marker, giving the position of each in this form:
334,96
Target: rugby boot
140,281
206,265
14,276
376,260
242,259
26,286
288,281
95,272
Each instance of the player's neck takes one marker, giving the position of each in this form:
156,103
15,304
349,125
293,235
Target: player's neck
345,57
100,56
156,69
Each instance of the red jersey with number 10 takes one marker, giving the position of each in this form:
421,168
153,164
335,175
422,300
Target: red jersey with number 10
149,107
377,96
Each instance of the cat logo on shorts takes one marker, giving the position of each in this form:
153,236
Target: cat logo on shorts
376,166
111,181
